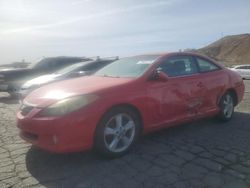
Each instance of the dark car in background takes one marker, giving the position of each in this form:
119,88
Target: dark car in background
11,79
76,70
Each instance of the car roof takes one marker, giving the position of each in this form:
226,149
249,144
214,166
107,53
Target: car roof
80,65
94,61
165,54
174,53
65,57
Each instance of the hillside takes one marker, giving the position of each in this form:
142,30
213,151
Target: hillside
234,49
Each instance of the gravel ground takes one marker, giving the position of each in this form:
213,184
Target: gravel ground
203,154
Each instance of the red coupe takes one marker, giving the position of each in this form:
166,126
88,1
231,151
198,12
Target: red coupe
127,98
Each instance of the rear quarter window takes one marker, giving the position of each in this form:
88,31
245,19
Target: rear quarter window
205,65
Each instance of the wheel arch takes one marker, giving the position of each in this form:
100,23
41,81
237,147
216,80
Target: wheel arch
234,94
129,106
108,110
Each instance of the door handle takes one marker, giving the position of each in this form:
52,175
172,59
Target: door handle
200,84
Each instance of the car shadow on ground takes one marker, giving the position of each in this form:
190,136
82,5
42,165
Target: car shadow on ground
161,153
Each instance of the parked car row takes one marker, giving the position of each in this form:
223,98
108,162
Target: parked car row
12,79
76,70
19,82
109,109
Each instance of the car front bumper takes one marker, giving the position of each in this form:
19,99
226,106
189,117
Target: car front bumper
4,87
64,134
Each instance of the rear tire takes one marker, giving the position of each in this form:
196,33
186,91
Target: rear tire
226,105
117,132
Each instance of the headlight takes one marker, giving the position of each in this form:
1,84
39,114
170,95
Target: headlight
68,105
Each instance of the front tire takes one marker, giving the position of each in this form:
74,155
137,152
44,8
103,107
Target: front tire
117,132
13,91
226,107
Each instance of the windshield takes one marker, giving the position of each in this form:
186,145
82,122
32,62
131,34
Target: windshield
128,67
40,64
71,68
33,64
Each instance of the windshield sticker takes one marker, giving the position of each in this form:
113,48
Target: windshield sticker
144,62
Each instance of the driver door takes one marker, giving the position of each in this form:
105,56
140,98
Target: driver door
181,96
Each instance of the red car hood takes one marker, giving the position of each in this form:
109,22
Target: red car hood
51,93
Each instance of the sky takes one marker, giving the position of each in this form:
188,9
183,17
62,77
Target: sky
32,29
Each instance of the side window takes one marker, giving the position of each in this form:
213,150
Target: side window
206,66
60,63
179,66
243,67
43,66
92,66
54,65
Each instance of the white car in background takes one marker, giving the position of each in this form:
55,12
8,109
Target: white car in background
243,70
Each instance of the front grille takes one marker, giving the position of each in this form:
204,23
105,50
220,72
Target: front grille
25,109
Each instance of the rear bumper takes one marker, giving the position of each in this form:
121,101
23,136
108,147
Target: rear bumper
247,77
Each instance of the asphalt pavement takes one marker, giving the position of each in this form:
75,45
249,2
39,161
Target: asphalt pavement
202,154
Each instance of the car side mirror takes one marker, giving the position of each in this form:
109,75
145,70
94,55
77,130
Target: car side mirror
159,75
162,76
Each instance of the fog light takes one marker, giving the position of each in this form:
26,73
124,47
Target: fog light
55,139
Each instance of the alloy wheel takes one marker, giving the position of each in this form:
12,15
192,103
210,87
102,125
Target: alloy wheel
228,106
119,132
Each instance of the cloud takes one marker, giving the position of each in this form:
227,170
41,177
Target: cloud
77,2
92,16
